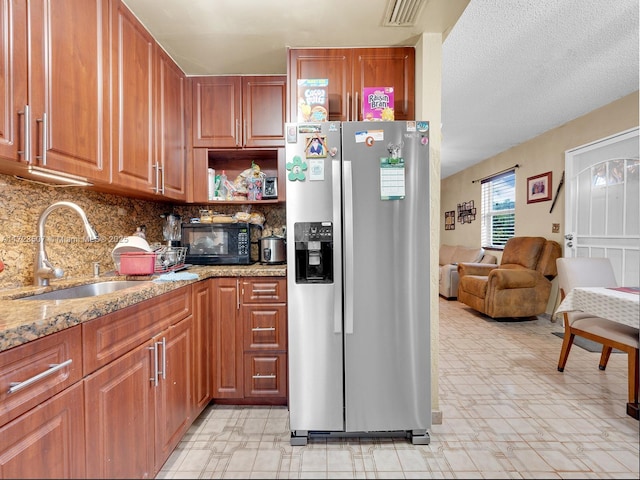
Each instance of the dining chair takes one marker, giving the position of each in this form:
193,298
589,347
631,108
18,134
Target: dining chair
595,272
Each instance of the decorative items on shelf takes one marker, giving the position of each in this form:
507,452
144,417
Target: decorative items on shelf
450,220
539,188
466,212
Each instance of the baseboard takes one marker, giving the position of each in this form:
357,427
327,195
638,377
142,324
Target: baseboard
436,417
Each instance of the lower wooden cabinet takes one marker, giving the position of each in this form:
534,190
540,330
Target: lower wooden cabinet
47,441
139,405
202,365
250,340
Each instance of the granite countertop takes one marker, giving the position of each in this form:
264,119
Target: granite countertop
22,321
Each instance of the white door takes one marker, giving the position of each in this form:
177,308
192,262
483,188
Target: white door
602,203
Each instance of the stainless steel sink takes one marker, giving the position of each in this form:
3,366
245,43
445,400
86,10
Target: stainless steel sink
90,290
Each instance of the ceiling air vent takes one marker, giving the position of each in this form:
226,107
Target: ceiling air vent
403,13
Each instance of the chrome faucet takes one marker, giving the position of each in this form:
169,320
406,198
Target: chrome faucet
43,270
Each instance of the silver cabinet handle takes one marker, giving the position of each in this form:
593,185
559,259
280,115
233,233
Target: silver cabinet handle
244,132
43,156
271,291
26,151
271,375
54,367
356,111
263,329
154,379
163,343
237,132
161,187
156,168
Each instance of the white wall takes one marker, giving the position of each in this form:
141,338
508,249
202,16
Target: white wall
539,155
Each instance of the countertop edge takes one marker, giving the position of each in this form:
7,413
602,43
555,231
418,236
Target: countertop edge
24,321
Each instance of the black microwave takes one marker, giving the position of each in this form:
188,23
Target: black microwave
218,243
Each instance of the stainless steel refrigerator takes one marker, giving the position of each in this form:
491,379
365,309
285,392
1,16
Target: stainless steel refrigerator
358,279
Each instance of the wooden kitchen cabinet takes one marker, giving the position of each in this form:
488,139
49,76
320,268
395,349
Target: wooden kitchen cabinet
148,131
227,344
250,340
139,394
271,161
171,145
238,111
47,441
203,361
349,70
42,418
60,121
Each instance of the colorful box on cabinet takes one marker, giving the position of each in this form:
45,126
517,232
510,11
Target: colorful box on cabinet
313,100
377,103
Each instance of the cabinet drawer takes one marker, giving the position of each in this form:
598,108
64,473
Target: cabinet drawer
264,290
265,327
110,336
265,375
41,369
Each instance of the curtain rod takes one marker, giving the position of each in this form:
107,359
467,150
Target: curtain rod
494,174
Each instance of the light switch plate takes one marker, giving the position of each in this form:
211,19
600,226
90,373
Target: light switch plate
555,228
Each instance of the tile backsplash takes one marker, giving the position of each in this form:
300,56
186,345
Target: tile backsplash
113,216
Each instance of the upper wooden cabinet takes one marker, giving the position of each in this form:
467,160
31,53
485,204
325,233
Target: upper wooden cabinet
238,111
171,144
349,70
147,135
54,85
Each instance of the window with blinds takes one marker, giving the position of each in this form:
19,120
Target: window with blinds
498,209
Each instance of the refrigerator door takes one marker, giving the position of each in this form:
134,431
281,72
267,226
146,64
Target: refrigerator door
386,263
315,358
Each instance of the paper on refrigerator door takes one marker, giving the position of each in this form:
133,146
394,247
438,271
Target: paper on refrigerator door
392,179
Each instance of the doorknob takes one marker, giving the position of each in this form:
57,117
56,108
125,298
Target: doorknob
569,236
569,244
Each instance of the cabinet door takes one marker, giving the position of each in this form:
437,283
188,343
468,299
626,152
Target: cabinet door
47,441
227,340
263,111
13,77
133,163
120,417
173,394
334,64
216,105
170,127
385,67
203,360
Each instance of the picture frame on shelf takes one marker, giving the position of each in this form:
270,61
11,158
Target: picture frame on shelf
539,188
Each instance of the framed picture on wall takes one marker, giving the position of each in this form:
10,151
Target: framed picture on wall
539,188
450,220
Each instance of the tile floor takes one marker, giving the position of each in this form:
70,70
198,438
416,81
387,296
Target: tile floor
507,413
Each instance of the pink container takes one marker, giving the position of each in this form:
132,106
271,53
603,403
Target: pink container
137,263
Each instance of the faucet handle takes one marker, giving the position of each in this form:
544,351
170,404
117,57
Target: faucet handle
58,272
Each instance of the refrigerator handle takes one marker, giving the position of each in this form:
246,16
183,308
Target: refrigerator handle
348,249
337,213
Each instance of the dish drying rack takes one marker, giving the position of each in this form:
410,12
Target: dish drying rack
161,260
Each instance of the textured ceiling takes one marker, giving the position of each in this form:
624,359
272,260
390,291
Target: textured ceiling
512,69
515,69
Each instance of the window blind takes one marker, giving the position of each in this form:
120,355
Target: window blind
498,209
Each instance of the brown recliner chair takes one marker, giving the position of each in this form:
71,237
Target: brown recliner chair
519,286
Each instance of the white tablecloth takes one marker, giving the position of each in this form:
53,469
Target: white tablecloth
616,305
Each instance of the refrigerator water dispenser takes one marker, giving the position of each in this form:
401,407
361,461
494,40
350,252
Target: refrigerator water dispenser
314,252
